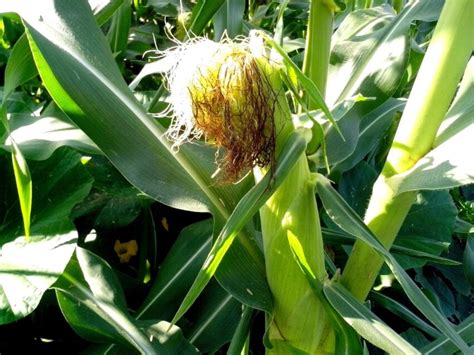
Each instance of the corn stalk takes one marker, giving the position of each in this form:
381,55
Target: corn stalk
429,100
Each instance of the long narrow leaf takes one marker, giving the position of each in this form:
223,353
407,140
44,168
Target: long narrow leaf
343,215
367,324
24,186
20,67
403,312
81,74
244,211
443,346
344,238
202,14
241,333
23,181
96,294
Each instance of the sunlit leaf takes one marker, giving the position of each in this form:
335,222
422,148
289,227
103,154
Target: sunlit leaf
80,73
370,50
449,164
89,282
28,267
39,137
367,324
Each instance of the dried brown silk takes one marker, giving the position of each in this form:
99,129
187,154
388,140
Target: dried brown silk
234,107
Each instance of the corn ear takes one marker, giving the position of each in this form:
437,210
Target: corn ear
299,319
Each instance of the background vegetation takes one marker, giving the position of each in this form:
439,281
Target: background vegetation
105,228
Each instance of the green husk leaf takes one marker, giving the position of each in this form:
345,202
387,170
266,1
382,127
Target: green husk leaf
347,341
244,211
299,80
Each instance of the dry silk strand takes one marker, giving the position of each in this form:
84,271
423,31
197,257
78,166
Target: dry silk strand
220,90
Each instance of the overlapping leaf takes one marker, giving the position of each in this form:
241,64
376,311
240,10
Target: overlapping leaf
349,221
449,164
370,50
77,67
29,268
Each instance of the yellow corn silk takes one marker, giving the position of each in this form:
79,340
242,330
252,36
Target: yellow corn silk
126,250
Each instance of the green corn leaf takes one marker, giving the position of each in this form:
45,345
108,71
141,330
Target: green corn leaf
370,50
20,67
39,137
229,18
80,72
177,272
373,125
244,211
24,186
242,332
367,324
89,282
104,9
235,13
120,27
215,317
343,215
202,14
30,265
344,238
403,312
129,135
443,345
468,259
23,181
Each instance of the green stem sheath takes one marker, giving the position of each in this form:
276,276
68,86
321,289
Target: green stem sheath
429,100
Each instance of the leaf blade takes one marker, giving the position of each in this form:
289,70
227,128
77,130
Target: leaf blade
244,211
367,324
349,221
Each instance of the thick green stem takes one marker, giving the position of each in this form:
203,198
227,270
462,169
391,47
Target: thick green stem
384,218
318,44
432,92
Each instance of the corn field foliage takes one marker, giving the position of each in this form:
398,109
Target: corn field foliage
114,239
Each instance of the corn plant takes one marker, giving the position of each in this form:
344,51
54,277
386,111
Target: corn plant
316,152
